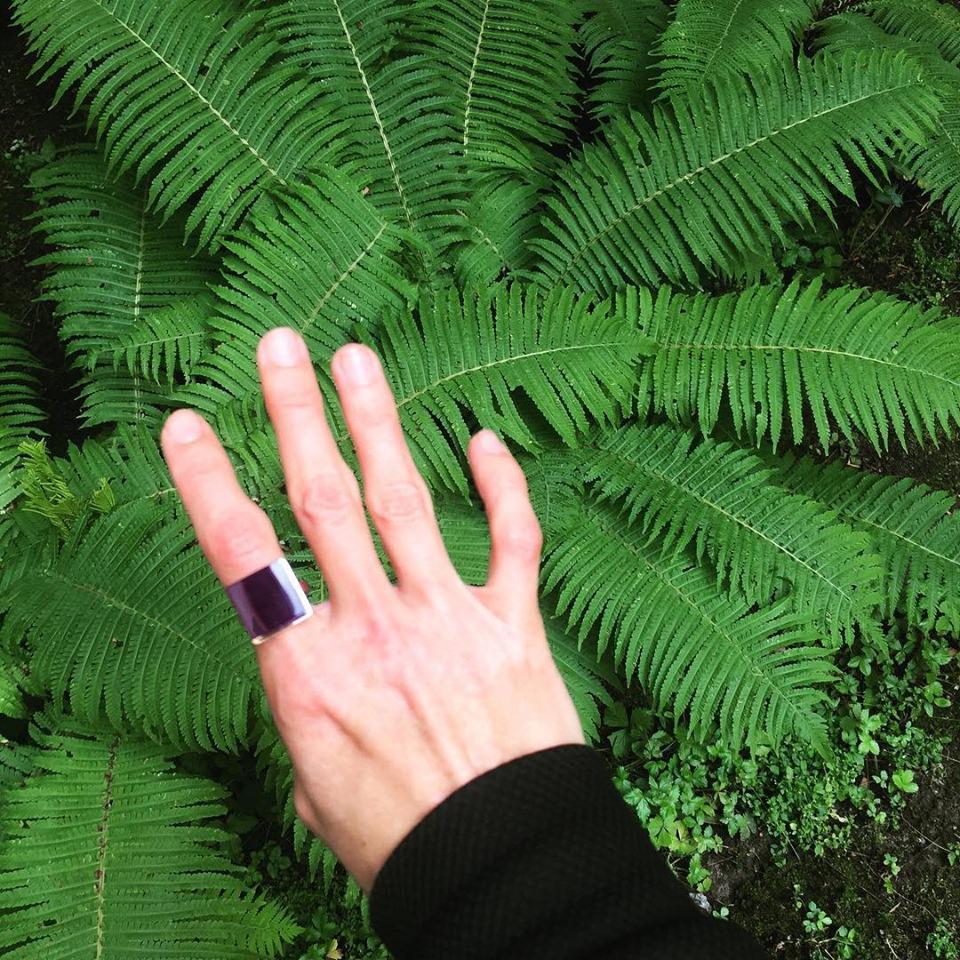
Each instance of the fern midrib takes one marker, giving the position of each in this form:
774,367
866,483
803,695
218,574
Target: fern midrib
376,116
723,37
702,169
484,237
699,611
137,297
738,521
830,351
472,77
195,91
896,535
312,316
515,358
102,828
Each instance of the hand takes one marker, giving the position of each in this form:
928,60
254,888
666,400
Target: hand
391,696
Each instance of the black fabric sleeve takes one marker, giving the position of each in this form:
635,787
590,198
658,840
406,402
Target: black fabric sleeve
541,858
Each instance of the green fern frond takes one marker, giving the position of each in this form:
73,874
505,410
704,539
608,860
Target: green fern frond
935,164
114,267
93,865
618,37
715,175
710,38
395,111
574,359
129,622
509,64
925,21
321,259
183,92
12,675
725,501
914,528
867,362
167,344
497,223
21,416
754,675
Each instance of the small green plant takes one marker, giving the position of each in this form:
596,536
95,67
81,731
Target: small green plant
942,941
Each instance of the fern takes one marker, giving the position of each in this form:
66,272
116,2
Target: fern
867,362
724,501
497,224
574,359
129,623
394,111
168,344
321,261
618,37
714,175
509,63
755,674
185,91
914,529
935,164
80,874
115,268
20,415
926,21
708,39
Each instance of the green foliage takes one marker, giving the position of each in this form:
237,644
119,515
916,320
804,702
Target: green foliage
723,500
712,38
509,66
914,530
180,91
130,623
756,152
867,363
618,37
78,871
20,415
571,261
115,268
753,673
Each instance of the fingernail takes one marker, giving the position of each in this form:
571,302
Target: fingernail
286,348
489,442
358,365
184,426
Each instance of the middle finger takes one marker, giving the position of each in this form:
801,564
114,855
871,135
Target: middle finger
397,496
323,490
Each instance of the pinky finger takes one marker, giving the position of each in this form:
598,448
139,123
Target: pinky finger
516,537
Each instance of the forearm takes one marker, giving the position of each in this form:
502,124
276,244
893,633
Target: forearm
541,858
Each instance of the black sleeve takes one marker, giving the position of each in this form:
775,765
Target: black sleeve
541,858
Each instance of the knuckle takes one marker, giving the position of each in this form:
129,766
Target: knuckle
323,498
375,411
239,536
397,503
522,537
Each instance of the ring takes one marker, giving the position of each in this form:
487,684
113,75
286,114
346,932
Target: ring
269,599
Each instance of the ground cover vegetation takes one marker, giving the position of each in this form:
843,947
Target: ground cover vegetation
695,262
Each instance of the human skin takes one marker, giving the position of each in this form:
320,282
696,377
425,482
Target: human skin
392,695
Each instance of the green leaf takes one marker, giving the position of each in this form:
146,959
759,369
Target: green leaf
710,179
108,851
185,93
866,362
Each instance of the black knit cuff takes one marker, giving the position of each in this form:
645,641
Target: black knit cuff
539,857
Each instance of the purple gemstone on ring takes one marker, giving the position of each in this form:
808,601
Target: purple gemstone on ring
269,599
